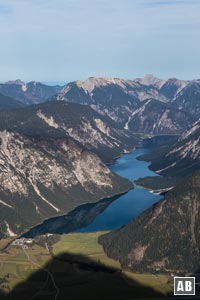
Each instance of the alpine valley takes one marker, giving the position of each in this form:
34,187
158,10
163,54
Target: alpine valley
58,145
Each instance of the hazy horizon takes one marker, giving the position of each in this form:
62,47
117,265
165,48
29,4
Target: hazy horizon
83,79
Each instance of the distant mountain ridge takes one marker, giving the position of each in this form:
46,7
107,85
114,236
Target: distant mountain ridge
31,93
121,99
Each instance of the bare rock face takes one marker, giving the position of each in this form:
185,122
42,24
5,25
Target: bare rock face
41,178
155,117
50,161
124,101
187,98
148,105
87,127
183,157
114,97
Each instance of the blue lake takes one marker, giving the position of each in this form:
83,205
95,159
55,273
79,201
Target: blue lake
109,213
130,205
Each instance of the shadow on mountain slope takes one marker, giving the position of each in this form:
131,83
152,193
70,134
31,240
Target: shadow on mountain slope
74,277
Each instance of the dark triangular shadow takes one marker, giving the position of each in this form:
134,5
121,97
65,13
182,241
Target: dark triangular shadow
76,277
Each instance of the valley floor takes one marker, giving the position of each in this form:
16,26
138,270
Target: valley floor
39,268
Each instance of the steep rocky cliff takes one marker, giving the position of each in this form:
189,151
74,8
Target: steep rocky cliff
149,104
122,100
43,177
80,122
182,158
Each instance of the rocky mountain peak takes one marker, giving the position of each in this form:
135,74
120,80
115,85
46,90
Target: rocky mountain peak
150,79
95,82
17,82
30,93
34,83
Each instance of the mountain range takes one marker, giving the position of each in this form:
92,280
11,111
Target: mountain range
127,101
147,105
87,127
31,93
55,143
49,163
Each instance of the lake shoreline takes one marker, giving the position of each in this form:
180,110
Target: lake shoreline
128,209
77,209
132,203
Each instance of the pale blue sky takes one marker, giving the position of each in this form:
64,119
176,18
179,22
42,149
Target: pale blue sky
65,40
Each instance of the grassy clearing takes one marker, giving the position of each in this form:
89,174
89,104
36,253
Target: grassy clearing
16,265
87,244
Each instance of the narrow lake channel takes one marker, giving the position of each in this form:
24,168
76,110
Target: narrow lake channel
109,213
130,205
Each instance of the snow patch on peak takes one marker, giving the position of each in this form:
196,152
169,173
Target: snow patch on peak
24,88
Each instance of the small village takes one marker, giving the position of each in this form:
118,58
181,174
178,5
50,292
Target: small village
23,242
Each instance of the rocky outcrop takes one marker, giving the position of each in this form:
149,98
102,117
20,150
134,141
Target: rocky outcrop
181,158
125,101
87,127
43,177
